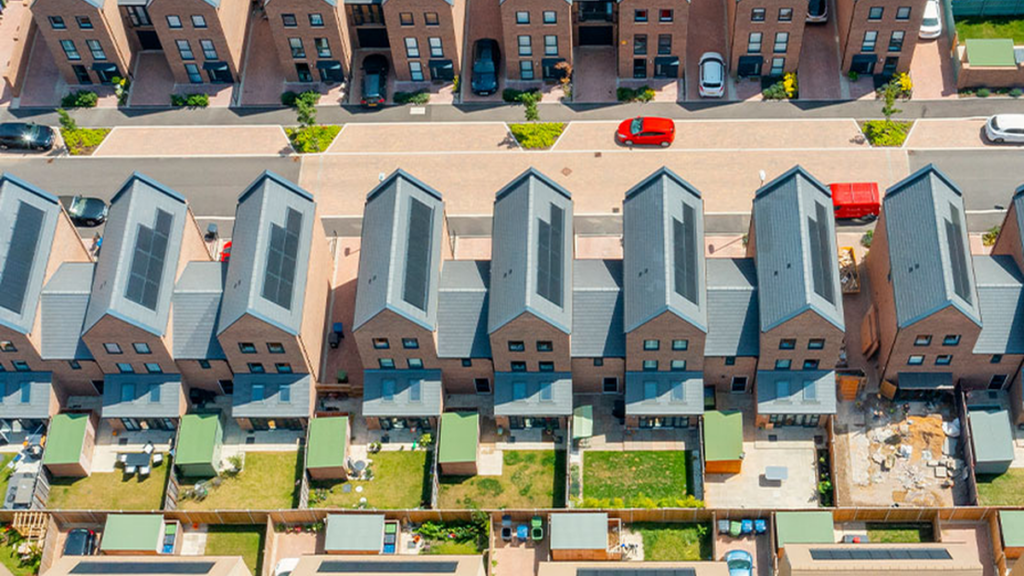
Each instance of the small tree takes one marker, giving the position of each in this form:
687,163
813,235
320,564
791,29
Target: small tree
890,92
67,123
306,112
529,100
565,71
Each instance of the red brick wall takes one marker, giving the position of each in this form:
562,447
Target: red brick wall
334,30
449,30
742,26
529,329
224,27
653,28
665,328
853,23
458,379
390,325
536,29
108,29
589,379
249,329
717,374
802,328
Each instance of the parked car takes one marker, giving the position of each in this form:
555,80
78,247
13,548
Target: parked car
1005,128
931,22
740,563
485,67
26,136
285,566
817,11
225,252
84,211
375,82
856,201
646,131
80,542
712,75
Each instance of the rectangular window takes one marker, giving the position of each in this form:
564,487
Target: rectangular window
411,343
785,364
74,365
20,365
111,348
678,365
598,362
209,50
816,344
545,346
436,49
522,17
896,41
519,366
640,44
431,19
405,18
204,364
141,348
198,21
665,15
551,45
778,66
154,368
184,50
810,364
680,344
739,384
650,365
915,360
757,15
995,359
640,15
415,363
69,50
416,71
781,42
550,17
903,13
870,39
298,51
84,22
283,368
730,360
386,363
951,340
125,368
467,362
57,23
664,44
275,347
289,20
316,20
8,346
257,368
785,14
96,49
875,12
546,366
525,46
526,70
412,48
922,340
652,344
381,343
247,347
173,21
787,344
754,43
516,346
138,15
943,359
997,382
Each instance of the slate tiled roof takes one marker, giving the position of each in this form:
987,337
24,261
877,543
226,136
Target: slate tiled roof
733,322
197,298
462,303
65,300
1001,301
597,309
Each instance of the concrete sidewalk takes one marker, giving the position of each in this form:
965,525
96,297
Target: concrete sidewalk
195,141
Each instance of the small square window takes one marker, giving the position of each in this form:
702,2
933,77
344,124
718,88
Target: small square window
544,346
467,362
8,346
522,17
757,15
125,368
204,364
922,340
875,12
915,360
386,363
598,362
20,365
816,344
410,343
943,359
550,17
57,23
173,21
730,360
431,19
198,21
275,347
640,15
665,15
810,364
680,344
141,348
650,365
951,340
381,344
289,21
678,365
84,22
405,18
546,366
257,368
415,363
785,14
154,368
519,366
526,70
787,344
74,365
112,348
283,368
316,20
247,347
516,346
783,364
652,344
903,13
995,359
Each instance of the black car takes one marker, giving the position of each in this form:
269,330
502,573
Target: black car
80,542
817,11
485,67
375,82
26,136
85,212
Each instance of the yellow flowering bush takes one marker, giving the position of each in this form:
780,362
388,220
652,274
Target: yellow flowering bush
905,84
789,84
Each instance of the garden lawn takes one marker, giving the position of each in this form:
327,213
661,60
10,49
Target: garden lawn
455,548
654,474
900,533
969,28
268,481
5,473
110,491
674,542
401,480
529,479
237,540
1003,490
10,558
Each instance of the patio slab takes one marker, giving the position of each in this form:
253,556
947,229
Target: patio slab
461,137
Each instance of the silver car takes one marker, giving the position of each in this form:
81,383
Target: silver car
1005,128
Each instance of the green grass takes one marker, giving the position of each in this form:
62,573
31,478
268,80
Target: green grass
110,491
635,475
313,139
465,548
268,481
1003,490
401,480
674,542
536,136
10,558
900,533
887,134
237,540
969,28
529,479
83,141
5,473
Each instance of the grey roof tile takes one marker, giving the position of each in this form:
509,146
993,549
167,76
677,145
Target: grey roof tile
796,392
142,396
65,300
402,393
271,396
733,321
1001,301
532,393
197,298
664,393
597,303
462,309
15,404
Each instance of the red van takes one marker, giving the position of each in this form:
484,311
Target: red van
856,200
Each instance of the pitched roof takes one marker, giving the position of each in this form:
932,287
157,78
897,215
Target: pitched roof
25,395
197,298
579,531
64,303
142,396
271,396
402,393
28,220
1001,301
354,533
532,393
663,235
400,251
269,263
796,392
136,269
664,393
462,302
597,310
929,251
531,261
328,442
733,321
796,250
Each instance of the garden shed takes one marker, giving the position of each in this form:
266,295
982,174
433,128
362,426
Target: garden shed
198,454
993,439
1011,524
578,537
133,534
460,434
69,445
803,528
354,534
723,441
327,448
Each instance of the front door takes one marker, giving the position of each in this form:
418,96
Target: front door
891,62
219,73
610,385
107,74
373,37
639,68
148,40
81,74
749,66
596,35
302,70
863,64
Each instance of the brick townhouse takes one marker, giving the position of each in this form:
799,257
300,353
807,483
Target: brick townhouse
311,39
203,40
877,37
652,38
764,36
87,38
793,242
733,342
538,34
425,38
463,346
598,344
1006,327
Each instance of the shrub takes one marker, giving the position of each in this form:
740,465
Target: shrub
81,141
455,84
774,92
66,121
867,238
312,139
983,93
417,97
989,237
291,99
641,501
853,75
1016,92
535,136
886,132
190,100
511,95
80,99
642,94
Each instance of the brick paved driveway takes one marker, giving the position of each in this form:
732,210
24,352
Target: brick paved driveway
594,74
932,70
705,33
947,134
154,81
491,136
818,71
483,20
195,141
263,79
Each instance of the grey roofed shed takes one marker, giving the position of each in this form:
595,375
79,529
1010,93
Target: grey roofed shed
929,251
28,221
400,252
402,393
271,396
1001,301
664,393
795,250
354,533
65,300
991,432
144,231
269,263
581,531
25,395
663,237
142,396
532,393
197,298
462,301
597,309
796,392
531,253
733,321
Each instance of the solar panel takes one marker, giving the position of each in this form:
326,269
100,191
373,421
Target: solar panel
397,567
142,568
636,572
886,554
549,256
282,255
417,254
821,256
684,241
147,267
957,258
21,255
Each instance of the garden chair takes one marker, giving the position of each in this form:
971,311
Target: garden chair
158,459
537,528
506,528
735,528
129,470
144,471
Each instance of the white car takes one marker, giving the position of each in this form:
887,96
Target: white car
285,566
712,75
931,23
1005,128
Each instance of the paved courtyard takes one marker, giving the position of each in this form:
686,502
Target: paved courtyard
194,141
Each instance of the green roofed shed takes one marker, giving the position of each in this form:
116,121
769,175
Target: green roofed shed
132,534
354,534
457,445
1011,523
583,422
579,536
990,52
69,444
199,441
723,441
993,439
804,528
328,447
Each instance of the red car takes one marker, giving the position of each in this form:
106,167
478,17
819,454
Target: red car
855,200
646,131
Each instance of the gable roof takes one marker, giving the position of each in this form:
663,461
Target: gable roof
137,264
597,309
929,251
733,320
1001,302
400,252
273,234
462,301
64,303
197,299
531,254
28,221
663,236
795,250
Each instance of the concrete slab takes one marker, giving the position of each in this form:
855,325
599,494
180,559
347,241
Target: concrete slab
931,70
758,546
594,74
195,141
976,535
928,133
472,248
343,304
460,137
